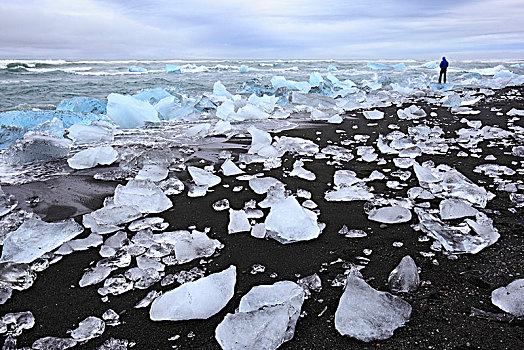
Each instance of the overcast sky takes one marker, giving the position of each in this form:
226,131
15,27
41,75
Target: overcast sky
331,29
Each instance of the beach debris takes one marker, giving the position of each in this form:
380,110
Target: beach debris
266,317
510,298
404,277
289,222
367,314
35,237
91,157
200,299
91,327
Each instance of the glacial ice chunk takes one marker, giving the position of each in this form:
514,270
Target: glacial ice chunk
266,318
94,275
190,245
238,221
202,177
35,237
261,143
404,277
261,185
83,105
373,115
200,299
289,222
455,209
128,112
410,113
37,148
390,215
349,193
137,69
367,314
111,217
510,298
219,90
95,132
152,172
89,328
459,240
15,322
144,194
301,172
91,157
171,68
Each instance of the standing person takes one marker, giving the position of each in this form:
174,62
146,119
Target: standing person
443,69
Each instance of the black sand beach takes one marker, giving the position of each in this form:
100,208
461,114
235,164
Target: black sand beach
441,306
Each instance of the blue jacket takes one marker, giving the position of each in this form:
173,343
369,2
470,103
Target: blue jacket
444,64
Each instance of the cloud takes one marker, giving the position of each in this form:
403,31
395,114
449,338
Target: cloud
260,29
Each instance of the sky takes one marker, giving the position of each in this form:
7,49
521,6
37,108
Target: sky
261,29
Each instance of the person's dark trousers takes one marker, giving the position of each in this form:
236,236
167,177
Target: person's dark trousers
442,73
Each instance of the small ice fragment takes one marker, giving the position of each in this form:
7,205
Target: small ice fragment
299,171
352,233
202,177
238,222
111,318
404,277
94,275
310,283
152,172
265,319
289,222
148,299
144,194
91,157
196,300
258,231
172,186
53,343
410,113
367,314
14,323
154,223
390,215
220,205
35,237
230,169
116,344
452,208
261,185
373,115
257,268
510,298
89,328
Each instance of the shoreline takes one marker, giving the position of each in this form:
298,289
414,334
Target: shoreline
441,308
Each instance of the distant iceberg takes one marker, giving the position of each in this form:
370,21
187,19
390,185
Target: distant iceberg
137,69
382,66
171,68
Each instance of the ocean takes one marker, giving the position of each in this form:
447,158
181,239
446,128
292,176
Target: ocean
28,84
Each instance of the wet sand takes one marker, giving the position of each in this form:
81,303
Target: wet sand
441,307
